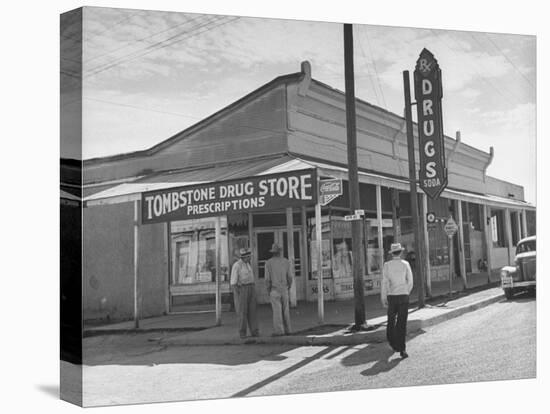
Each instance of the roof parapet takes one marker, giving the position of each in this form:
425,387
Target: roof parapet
305,67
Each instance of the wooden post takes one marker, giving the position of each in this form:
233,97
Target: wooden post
168,252
508,233
451,264
395,216
356,230
524,222
426,244
462,255
136,263
488,239
252,247
379,224
518,224
291,256
412,186
319,259
304,257
218,236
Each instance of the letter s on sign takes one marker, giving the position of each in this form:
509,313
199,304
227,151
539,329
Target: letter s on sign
430,170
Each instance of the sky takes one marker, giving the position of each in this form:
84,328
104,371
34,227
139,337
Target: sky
149,74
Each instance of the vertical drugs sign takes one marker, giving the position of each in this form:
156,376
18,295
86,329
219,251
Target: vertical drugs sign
428,93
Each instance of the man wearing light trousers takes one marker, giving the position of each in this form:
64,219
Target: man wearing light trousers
242,284
397,283
278,281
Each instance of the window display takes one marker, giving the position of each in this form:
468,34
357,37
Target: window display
194,251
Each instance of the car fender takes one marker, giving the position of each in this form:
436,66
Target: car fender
508,270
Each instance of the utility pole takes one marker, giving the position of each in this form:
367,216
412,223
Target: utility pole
412,187
356,225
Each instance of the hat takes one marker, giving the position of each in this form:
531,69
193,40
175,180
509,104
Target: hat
396,247
275,248
244,252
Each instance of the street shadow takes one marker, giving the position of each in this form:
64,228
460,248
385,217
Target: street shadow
51,390
384,358
136,350
525,296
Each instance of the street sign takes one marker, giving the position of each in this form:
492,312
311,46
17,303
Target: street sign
352,217
428,92
430,217
329,190
360,212
450,227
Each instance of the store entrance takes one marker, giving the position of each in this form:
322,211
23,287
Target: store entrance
264,239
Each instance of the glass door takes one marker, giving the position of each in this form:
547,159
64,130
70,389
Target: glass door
264,241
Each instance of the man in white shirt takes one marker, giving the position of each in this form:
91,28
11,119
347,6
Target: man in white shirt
397,283
244,291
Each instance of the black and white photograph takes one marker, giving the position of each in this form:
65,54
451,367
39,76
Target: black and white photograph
279,211
269,206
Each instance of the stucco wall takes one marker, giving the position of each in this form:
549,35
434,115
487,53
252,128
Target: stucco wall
108,245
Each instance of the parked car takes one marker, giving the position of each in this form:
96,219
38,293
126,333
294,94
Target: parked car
522,276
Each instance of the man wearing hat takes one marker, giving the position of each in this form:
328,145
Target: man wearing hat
278,281
242,284
397,283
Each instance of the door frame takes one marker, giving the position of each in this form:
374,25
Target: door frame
279,231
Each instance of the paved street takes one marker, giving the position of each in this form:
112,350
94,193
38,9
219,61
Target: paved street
493,343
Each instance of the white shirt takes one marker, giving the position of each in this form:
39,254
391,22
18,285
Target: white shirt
241,273
397,278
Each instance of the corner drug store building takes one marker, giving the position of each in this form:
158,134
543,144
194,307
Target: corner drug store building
151,247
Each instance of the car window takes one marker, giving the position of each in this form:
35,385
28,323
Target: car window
528,246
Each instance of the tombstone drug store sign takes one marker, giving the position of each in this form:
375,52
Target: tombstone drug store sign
266,192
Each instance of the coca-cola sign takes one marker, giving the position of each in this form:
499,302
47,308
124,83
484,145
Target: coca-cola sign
329,190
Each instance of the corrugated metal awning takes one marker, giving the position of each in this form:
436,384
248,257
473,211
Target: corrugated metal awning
132,191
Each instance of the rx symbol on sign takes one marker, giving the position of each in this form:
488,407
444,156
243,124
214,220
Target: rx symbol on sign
425,66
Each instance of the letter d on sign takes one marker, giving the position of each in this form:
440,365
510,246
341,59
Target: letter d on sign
426,87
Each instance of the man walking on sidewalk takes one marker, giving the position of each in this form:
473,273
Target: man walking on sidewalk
242,284
397,283
278,281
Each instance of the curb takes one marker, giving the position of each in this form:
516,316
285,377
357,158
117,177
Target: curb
375,336
453,313
88,333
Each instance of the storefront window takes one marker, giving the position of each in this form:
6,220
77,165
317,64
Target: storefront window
325,246
194,251
341,248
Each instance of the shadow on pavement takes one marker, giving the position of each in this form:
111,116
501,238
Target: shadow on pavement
524,296
281,374
380,354
145,350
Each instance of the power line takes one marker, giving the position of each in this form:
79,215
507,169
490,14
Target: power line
180,114
367,67
133,42
118,23
508,59
375,69
477,74
162,45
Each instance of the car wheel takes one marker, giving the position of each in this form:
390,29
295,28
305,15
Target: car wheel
509,293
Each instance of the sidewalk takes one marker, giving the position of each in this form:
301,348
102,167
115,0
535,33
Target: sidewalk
200,329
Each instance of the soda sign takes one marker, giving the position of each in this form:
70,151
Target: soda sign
329,190
428,93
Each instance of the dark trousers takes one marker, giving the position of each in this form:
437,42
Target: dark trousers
245,303
398,311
